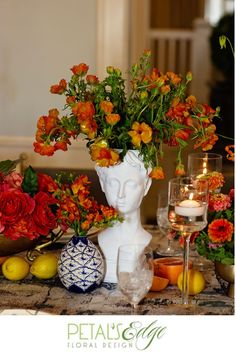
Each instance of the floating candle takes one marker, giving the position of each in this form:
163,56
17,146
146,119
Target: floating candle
189,203
189,207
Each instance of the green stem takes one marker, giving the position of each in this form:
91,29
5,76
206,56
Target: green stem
231,47
226,137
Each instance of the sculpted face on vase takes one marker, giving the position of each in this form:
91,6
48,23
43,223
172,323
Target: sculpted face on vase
124,186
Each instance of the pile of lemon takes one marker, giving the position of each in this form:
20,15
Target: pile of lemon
17,268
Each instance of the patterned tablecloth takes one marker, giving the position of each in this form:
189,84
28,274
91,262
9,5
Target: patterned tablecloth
51,297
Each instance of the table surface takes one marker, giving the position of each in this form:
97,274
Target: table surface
50,296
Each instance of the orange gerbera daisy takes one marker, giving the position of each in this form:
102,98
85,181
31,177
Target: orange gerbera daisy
220,230
140,133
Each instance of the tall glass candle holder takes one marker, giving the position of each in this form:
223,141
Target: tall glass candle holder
204,163
188,202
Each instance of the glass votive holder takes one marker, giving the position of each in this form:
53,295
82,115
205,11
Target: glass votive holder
204,163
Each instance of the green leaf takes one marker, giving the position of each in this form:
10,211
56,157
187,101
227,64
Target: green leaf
228,261
30,182
8,166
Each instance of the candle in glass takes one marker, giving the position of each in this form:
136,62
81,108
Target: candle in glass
203,163
188,199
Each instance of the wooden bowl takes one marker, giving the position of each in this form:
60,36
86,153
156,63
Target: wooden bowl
8,247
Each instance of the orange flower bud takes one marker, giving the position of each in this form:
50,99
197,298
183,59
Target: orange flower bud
179,171
112,118
157,173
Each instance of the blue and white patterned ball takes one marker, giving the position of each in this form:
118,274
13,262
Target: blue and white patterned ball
81,265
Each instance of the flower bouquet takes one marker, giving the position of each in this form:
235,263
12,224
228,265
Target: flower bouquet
216,242
157,111
34,205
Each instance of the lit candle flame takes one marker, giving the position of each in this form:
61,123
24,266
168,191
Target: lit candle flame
204,165
191,196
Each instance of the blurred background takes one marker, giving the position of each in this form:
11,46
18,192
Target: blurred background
41,40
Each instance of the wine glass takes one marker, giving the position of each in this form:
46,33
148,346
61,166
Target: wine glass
169,248
134,271
188,202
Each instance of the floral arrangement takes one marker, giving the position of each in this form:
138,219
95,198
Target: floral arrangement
157,111
216,242
35,205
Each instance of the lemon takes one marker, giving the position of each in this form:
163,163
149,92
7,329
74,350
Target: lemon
44,266
196,281
15,268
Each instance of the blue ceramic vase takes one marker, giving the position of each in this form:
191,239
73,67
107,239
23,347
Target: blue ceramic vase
81,265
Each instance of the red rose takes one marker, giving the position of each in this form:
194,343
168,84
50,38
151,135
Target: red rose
14,205
43,216
46,183
23,227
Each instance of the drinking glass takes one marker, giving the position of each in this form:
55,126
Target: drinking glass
169,248
188,202
134,271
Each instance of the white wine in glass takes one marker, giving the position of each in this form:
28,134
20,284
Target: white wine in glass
134,271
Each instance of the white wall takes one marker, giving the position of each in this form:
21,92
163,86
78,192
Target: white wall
39,42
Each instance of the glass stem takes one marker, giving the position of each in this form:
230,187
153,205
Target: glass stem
185,284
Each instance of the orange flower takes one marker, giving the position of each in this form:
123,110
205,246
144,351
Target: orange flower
174,78
112,118
79,184
191,100
71,100
165,89
178,112
60,88
44,149
89,128
230,155
104,156
207,142
157,173
46,123
179,171
215,180
92,79
220,230
61,145
83,110
80,69
106,107
140,133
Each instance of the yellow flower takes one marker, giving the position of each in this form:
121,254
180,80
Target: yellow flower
140,133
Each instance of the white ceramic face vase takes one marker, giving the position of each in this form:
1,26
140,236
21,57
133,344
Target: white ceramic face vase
124,185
